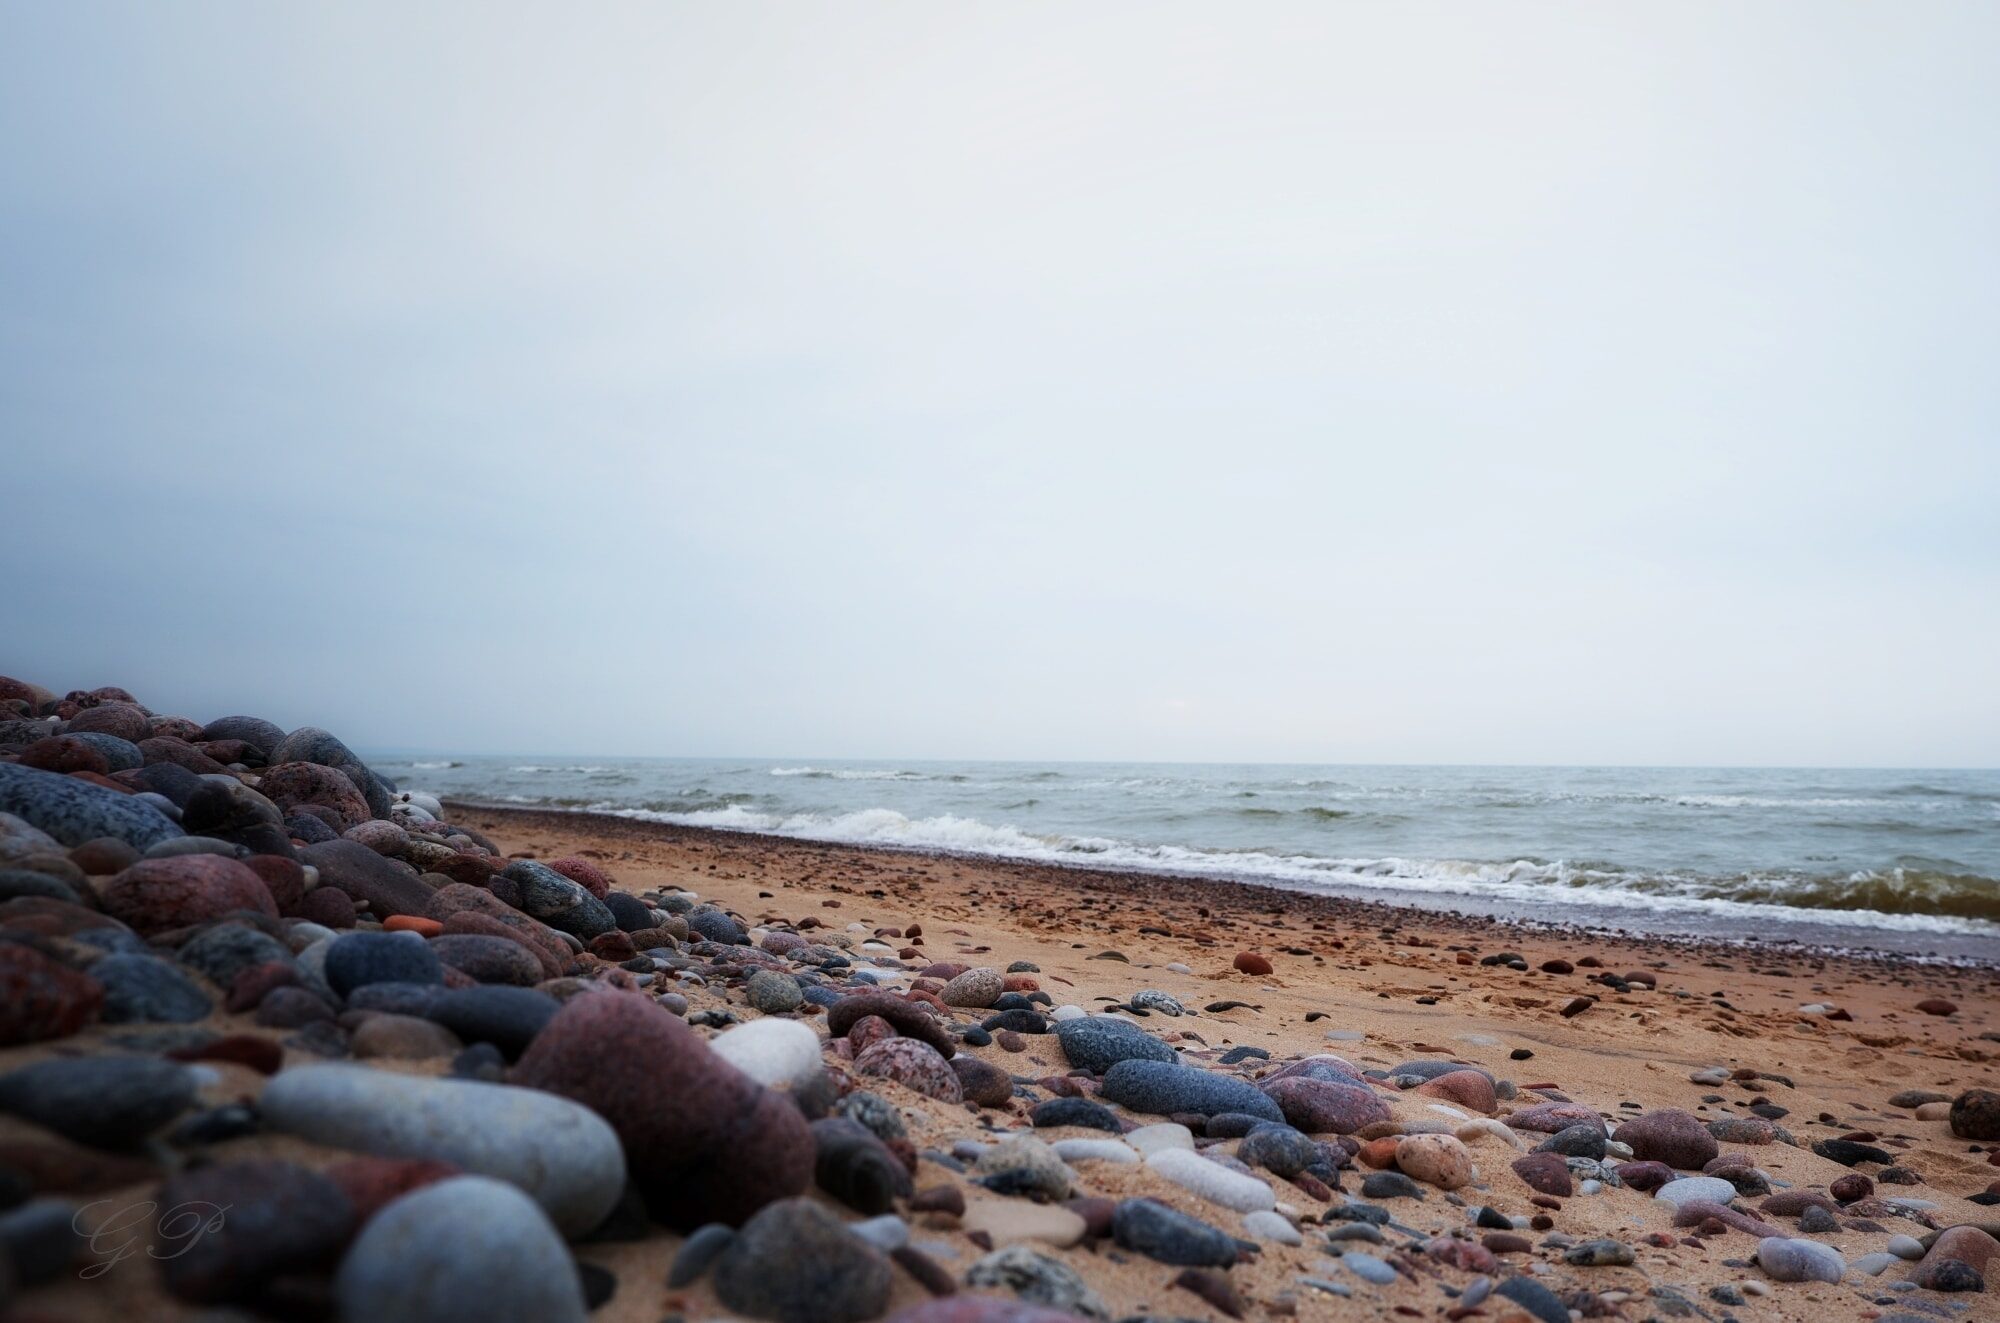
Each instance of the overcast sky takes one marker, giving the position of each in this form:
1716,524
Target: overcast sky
1558,383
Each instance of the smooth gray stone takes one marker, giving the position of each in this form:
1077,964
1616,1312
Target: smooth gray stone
110,1102
560,1152
143,989
465,1250
74,811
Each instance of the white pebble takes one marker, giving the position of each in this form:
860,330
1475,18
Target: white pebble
1267,1225
770,1050
1211,1180
1068,1013
1163,1135
1094,1150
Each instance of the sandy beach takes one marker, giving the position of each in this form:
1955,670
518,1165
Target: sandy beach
1820,1043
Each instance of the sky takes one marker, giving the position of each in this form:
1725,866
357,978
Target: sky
1540,383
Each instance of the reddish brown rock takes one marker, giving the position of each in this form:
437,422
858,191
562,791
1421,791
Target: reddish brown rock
723,1149
914,1065
1938,1006
614,946
1249,962
104,856
270,1219
42,999
585,874
284,878
1669,1135
1545,1173
1470,1089
909,1019
328,906
162,749
65,753
158,895
981,1083
291,785
127,721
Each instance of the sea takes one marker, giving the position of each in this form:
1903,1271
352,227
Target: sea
1901,861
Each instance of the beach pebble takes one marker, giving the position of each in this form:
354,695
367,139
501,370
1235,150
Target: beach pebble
1577,1141
1024,1165
1786,1259
1265,1224
106,1102
1098,1042
1669,1135
1368,1268
907,1018
1439,1160
489,959
1150,1139
71,812
1168,1088
1037,1279
1549,1118
269,1218
1470,1089
975,988
854,1166
1538,1300
1154,1000
1975,1114
982,1082
1678,1192
354,960
1073,1112
1905,1247
1599,1254
1010,1221
387,886
771,1052
509,1018
1279,1149
1548,1173
1253,964
464,1250
565,1156
1390,1185
725,1148
1166,1235
1956,1252
794,1262
42,998
1094,1150
1211,1180
1322,1106
158,895
773,992
914,1065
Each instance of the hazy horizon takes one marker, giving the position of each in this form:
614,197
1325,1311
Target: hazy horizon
1537,386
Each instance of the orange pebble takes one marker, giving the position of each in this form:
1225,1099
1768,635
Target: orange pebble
1379,1152
410,923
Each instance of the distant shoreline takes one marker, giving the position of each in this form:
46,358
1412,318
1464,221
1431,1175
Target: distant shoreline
1372,907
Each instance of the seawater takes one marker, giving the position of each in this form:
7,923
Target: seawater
1902,860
